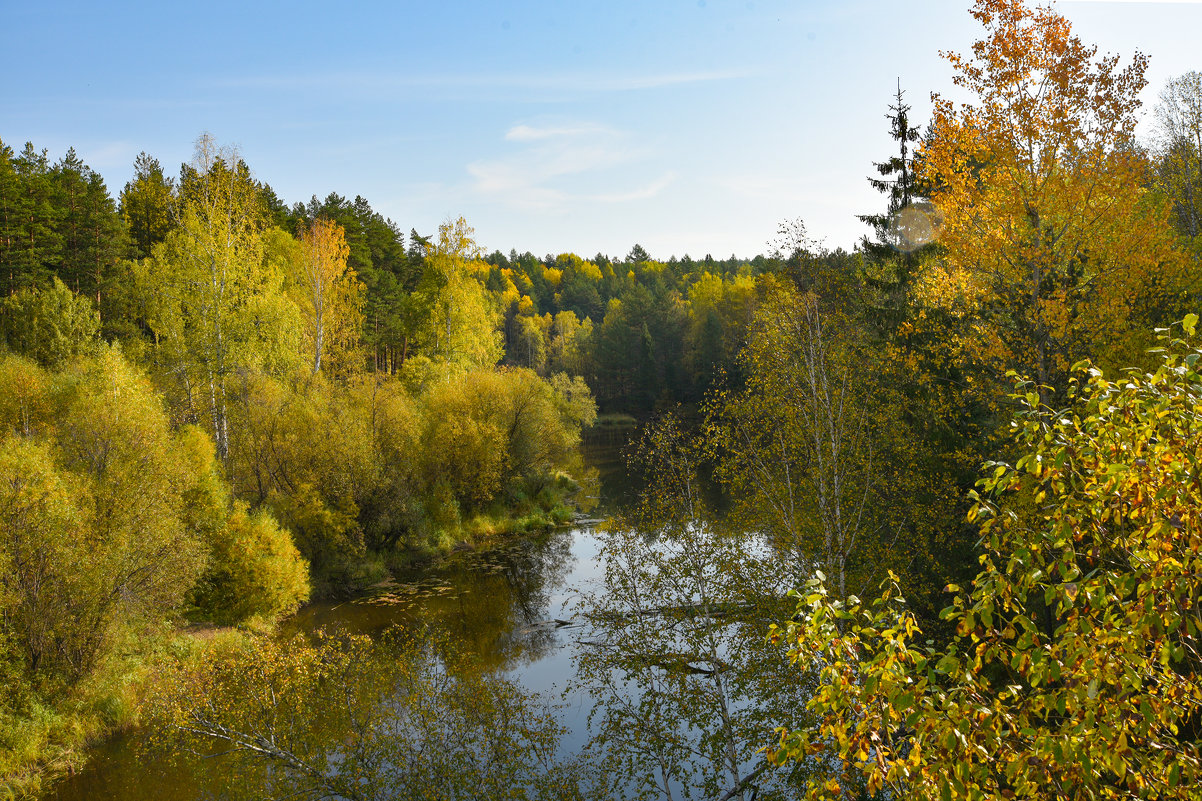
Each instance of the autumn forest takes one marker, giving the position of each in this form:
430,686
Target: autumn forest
919,520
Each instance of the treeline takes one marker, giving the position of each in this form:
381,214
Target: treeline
644,333
214,402
232,304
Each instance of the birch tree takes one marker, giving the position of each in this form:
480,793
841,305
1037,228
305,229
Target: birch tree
463,323
1047,231
801,444
1179,149
201,287
332,302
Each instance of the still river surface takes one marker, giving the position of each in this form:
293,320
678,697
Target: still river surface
508,605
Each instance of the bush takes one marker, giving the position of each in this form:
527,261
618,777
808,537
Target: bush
254,570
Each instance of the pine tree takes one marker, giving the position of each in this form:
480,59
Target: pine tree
10,218
105,241
39,244
70,187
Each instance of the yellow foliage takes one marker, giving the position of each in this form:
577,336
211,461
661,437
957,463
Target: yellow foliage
104,517
1072,666
1046,221
332,297
24,401
463,328
254,570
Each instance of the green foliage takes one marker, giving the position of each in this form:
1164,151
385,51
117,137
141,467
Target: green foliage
367,464
147,204
462,451
93,234
813,448
499,430
327,532
306,451
1075,664
44,558
48,325
462,326
637,349
254,570
97,532
213,300
897,181
34,242
56,221
391,512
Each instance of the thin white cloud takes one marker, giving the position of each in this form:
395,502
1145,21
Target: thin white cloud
1138,2
526,133
642,193
556,165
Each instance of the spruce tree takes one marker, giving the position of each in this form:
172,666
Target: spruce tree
896,181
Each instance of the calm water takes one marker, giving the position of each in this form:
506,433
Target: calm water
508,605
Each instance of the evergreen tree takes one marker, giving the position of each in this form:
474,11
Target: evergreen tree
70,188
91,232
419,246
276,211
38,245
147,204
105,240
896,180
10,203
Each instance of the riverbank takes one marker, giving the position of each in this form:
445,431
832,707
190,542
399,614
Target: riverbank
497,601
41,741
46,734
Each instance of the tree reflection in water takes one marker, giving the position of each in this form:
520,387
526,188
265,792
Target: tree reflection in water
686,689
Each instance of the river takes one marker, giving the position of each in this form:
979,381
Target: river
506,604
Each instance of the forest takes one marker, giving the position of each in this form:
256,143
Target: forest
934,502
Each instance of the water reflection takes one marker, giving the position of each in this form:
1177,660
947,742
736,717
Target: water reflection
508,605
495,602
686,688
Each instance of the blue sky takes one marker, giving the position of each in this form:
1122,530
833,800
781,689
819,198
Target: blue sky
689,127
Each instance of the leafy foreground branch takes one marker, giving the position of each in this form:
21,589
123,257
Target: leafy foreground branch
348,718
1074,671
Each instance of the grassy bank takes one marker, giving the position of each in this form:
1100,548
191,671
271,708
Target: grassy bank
47,730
